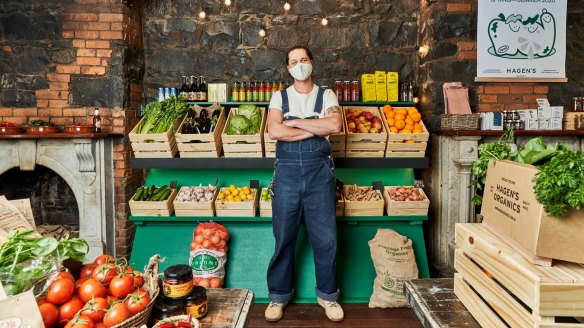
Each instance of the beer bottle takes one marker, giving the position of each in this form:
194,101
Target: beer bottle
96,121
193,89
184,88
202,89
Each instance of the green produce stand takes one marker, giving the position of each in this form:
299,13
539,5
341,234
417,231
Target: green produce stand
252,242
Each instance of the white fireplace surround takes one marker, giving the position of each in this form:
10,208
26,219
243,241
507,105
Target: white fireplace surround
87,167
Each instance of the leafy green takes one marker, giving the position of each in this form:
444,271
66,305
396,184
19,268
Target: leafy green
239,124
160,116
248,120
487,153
534,151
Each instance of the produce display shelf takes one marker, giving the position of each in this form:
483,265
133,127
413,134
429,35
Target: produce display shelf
260,219
342,103
263,163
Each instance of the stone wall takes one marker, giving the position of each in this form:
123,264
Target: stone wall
361,37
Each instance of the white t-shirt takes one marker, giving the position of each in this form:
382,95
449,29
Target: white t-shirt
302,105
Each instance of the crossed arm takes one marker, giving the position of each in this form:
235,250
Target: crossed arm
300,129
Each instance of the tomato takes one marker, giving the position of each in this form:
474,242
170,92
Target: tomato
121,286
95,309
64,275
99,325
41,300
91,288
138,278
80,322
136,302
68,310
49,313
104,273
102,259
60,291
117,313
78,283
87,270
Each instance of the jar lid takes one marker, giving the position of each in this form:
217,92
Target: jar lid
198,292
178,271
165,304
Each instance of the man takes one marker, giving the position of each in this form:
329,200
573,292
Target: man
300,118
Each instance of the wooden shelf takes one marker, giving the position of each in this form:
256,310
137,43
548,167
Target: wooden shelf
60,136
516,132
266,103
265,219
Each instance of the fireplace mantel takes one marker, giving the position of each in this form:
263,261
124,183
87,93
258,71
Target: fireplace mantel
85,163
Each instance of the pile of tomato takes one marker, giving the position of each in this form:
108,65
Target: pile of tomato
106,294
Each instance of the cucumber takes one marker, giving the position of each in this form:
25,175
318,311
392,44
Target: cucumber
150,192
165,194
139,194
159,193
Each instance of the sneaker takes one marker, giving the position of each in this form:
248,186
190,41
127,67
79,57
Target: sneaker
274,311
333,309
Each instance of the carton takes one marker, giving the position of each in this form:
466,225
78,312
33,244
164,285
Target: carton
380,86
368,87
392,86
511,209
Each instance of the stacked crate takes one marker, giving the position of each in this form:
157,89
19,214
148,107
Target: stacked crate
201,144
365,144
251,145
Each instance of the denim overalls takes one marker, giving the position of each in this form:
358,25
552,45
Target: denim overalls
304,187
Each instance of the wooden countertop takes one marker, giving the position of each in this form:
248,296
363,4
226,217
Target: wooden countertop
228,308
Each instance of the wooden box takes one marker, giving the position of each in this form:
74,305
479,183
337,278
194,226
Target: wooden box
269,144
195,208
569,120
203,144
340,207
362,208
394,207
145,208
339,140
153,145
243,145
365,144
500,288
265,207
247,208
406,144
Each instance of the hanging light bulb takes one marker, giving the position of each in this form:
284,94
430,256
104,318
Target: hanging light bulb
228,2
286,6
202,14
262,33
324,21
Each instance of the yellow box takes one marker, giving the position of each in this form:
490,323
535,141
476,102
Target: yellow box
368,87
380,86
392,86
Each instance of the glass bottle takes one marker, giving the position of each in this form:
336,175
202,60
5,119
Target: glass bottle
339,90
96,121
410,91
248,92
354,91
262,92
255,92
268,91
194,89
184,88
346,91
202,89
281,86
235,92
242,93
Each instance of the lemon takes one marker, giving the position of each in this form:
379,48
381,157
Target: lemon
235,192
230,198
250,197
227,192
246,191
232,187
221,196
237,199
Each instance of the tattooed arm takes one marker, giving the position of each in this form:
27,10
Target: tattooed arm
329,124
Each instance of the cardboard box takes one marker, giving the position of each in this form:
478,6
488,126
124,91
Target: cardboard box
510,208
368,87
392,86
380,86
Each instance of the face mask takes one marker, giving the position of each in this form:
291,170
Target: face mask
301,71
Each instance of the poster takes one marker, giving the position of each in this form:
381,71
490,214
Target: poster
521,38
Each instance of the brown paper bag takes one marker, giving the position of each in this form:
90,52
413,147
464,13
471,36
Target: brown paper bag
394,261
455,98
19,311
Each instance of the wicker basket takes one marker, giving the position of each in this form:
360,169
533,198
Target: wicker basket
459,121
194,322
151,284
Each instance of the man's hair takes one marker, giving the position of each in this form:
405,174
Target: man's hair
295,48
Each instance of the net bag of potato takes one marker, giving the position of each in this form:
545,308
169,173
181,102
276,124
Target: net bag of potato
394,261
209,254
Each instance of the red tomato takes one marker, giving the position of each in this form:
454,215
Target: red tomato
91,288
49,313
137,302
95,309
68,310
60,291
138,279
117,313
80,322
99,325
87,270
78,283
121,286
104,273
41,300
102,259
64,275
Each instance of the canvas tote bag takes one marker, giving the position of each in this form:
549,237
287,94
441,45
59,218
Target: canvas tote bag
19,311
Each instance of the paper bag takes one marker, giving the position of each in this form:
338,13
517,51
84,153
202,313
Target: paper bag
456,98
19,311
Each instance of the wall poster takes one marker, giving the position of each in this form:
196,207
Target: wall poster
521,39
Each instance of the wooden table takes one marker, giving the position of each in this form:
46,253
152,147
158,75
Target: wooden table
435,304
228,307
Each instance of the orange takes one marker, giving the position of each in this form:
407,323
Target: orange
390,122
409,141
390,114
400,116
409,120
393,129
417,117
405,131
400,124
402,111
412,110
418,129
409,127
387,107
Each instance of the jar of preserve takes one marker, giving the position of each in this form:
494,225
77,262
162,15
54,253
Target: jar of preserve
346,91
579,122
178,281
354,91
339,90
165,308
196,303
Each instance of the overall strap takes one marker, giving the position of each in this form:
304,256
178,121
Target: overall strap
285,103
319,101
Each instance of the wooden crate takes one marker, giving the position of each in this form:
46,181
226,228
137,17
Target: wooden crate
195,208
265,207
501,288
269,144
366,144
203,144
340,207
363,208
406,144
569,120
243,145
153,145
247,209
145,208
394,207
339,140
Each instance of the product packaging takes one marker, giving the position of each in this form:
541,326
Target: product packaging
368,87
380,86
208,254
392,86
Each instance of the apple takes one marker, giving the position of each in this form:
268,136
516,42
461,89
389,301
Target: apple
351,126
368,115
358,112
374,130
350,116
367,123
351,111
363,130
375,119
376,125
362,118
360,126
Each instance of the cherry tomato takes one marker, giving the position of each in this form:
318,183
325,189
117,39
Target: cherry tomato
102,259
117,313
60,291
49,313
80,322
87,270
104,273
95,309
137,302
68,310
121,286
91,288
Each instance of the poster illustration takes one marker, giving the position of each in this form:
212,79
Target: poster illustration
521,38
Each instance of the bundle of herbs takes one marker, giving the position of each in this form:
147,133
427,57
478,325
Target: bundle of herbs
201,123
559,184
160,116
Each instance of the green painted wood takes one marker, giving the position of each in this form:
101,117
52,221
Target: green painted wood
265,104
252,242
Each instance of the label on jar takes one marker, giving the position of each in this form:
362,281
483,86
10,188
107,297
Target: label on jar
178,290
197,310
